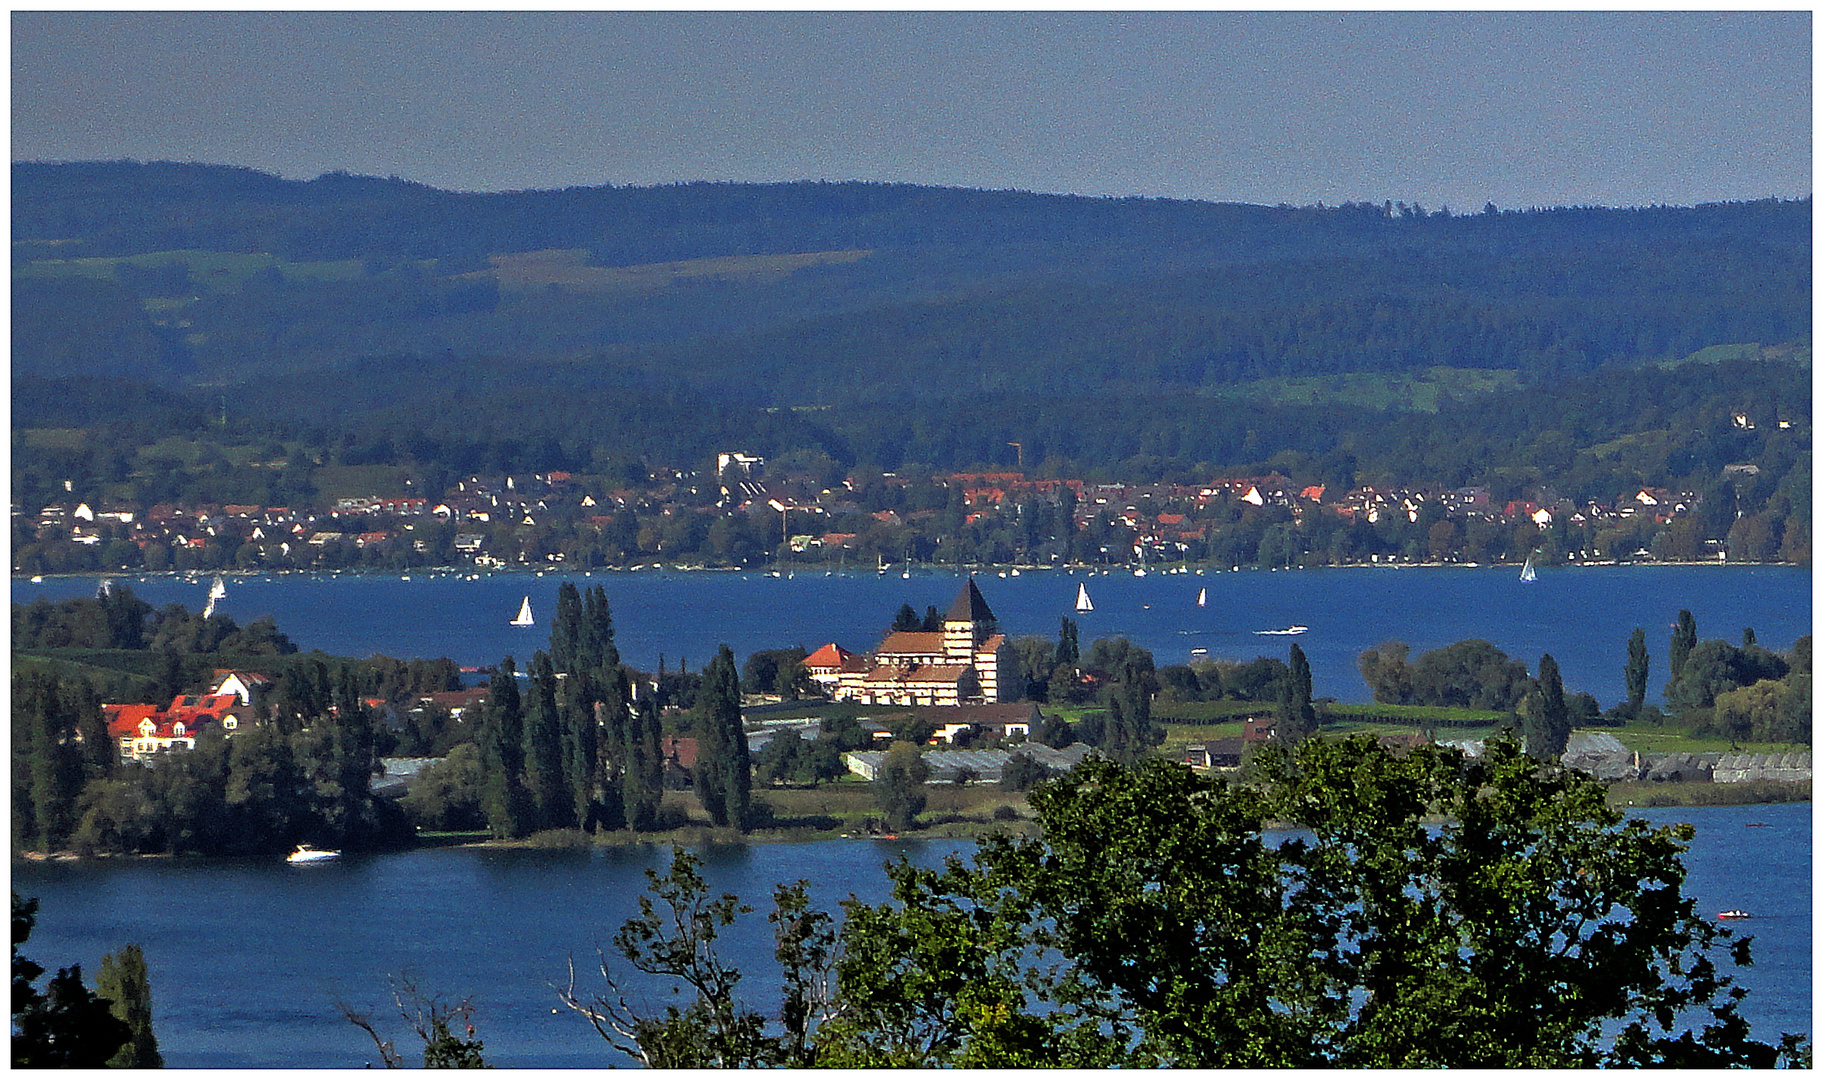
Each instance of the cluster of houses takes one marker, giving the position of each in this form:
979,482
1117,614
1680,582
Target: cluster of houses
231,702
1161,516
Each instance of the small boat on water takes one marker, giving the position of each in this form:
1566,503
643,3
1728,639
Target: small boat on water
524,618
305,853
1297,628
1734,913
1202,598
1082,598
1528,572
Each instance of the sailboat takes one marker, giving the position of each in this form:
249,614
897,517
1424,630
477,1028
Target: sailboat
524,618
217,590
1202,598
1082,598
1527,572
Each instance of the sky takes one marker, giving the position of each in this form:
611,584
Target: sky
1459,108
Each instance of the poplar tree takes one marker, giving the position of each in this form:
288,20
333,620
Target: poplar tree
1639,666
1547,723
1683,639
581,744
1300,713
566,630
502,735
724,777
1068,649
552,804
1129,730
124,982
642,783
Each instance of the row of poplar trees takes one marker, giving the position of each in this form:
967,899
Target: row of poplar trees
574,750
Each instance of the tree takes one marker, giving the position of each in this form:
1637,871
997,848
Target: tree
1130,731
1639,667
1683,639
1386,673
899,785
724,774
1545,715
1470,674
1299,721
674,937
65,1025
642,779
431,1020
552,800
124,982
1188,939
446,795
1159,918
1715,667
1022,773
1068,650
502,742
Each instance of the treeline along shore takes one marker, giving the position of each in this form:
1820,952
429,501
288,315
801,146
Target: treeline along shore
142,730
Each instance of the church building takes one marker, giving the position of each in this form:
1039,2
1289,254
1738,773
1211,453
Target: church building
962,664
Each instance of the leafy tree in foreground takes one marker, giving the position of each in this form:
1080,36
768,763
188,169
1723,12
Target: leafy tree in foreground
677,942
123,981
432,1020
65,1025
1156,922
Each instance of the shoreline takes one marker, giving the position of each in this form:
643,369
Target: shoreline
1092,569
1624,797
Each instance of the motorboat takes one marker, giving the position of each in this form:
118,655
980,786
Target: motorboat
1734,913
305,853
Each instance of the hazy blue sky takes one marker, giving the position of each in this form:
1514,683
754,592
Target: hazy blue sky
1457,108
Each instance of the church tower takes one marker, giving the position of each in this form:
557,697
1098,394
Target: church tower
968,624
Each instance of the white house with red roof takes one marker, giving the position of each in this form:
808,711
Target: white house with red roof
250,687
144,730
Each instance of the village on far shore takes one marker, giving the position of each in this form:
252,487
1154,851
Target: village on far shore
749,514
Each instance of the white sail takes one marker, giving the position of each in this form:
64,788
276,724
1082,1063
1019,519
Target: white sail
1202,598
1082,598
217,590
524,618
1527,573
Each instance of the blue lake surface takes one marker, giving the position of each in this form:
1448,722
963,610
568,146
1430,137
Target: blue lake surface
248,960
1582,616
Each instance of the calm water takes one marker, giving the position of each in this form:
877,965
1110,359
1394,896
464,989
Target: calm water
248,959
1582,616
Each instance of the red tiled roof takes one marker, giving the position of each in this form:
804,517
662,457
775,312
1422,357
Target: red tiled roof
829,656
681,749
918,642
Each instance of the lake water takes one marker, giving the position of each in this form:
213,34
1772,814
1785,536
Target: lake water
1582,616
248,960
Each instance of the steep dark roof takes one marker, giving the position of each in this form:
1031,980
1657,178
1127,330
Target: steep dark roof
969,606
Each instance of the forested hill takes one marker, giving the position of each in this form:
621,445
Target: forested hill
883,322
